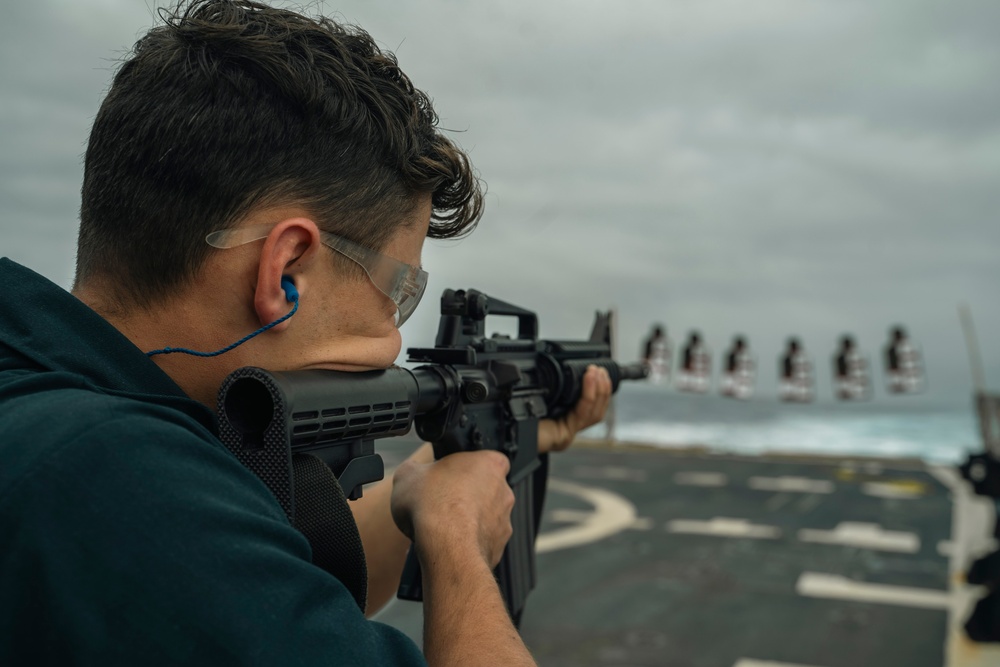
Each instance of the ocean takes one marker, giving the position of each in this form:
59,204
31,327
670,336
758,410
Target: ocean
904,426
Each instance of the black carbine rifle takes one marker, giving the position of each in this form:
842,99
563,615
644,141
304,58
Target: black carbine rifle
473,392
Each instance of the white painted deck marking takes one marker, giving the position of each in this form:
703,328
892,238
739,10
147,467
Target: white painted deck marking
901,490
701,479
946,548
612,514
796,484
721,526
864,536
580,516
614,473
835,587
748,662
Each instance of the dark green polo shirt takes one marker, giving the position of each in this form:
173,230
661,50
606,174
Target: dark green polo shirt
129,535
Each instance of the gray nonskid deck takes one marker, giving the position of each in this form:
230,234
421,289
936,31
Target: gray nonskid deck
651,557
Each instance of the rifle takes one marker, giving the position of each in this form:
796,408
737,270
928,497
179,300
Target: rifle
475,392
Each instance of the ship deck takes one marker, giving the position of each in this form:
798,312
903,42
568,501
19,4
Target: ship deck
650,556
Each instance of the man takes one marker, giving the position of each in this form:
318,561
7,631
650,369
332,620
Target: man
260,178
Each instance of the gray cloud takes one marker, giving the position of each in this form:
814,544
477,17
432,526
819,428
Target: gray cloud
773,167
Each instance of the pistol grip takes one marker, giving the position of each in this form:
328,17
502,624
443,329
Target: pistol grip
411,585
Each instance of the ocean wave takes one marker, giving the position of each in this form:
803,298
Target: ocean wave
939,436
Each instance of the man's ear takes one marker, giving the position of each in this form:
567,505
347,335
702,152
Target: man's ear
287,251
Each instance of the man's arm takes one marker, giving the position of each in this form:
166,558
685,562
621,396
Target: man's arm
458,511
385,545
465,619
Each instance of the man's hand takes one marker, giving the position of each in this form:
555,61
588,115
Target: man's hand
457,510
460,502
555,435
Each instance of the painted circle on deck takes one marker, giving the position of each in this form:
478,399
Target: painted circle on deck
612,514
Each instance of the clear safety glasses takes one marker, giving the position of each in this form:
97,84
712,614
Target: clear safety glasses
403,283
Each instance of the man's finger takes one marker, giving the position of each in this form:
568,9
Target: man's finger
589,392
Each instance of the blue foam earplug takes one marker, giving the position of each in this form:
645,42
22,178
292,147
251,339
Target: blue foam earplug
291,293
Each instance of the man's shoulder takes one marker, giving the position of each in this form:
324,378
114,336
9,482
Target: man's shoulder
51,403
120,509
52,421
57,399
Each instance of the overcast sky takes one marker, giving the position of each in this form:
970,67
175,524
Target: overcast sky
769,167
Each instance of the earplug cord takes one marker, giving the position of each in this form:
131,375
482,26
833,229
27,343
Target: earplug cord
291,294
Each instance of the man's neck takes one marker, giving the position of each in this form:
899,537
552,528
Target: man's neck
175,325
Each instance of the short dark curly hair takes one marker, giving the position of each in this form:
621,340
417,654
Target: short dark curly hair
231,105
